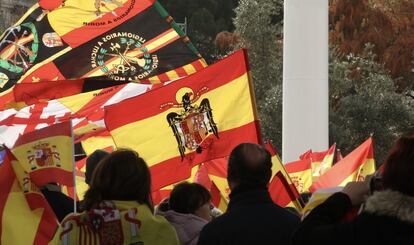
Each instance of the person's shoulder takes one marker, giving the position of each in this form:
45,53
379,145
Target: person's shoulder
220,229
211,231
281,213
217,224
162,223
165,229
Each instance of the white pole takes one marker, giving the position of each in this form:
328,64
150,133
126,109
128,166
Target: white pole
305,78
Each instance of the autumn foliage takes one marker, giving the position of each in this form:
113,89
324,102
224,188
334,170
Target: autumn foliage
226,41
387,24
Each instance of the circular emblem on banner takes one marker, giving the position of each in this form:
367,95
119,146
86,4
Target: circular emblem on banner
123,56
19,46
52,40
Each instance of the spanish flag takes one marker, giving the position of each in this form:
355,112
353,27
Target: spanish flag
213,175
320,167
47,154
103,140
159,195
215,182
26,217
203,175
218,199
354,167
81,186
219,187
123,41
282,189
189,121
300,173
307,154
321,161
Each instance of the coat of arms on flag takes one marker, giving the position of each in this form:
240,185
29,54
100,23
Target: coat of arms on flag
188,122
43,154
194,123
47,154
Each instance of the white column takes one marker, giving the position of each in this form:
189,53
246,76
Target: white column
305,77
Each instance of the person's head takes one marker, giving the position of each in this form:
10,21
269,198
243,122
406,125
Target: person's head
191,198
250,166
122,176
399,167
91,163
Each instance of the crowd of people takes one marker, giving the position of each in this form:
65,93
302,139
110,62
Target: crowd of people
118,209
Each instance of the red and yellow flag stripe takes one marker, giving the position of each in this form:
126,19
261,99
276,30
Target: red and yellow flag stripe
147,130
300,173
354,167
78,21
23,206
281,187
47,154
322,163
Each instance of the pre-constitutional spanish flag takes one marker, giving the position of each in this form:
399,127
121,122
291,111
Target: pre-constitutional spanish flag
47,154
122,40
25,215
300,173
190,121
354,167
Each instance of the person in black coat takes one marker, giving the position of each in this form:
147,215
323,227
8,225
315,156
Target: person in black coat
251,217
61,204
387,215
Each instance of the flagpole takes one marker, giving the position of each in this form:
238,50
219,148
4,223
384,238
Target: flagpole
73,167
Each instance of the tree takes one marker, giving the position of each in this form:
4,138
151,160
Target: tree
259,26
387,24
363,101
205,19
362,91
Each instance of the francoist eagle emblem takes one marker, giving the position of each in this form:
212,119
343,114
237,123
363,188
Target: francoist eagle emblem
193,124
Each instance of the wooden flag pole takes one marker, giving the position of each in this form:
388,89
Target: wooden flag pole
73,168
